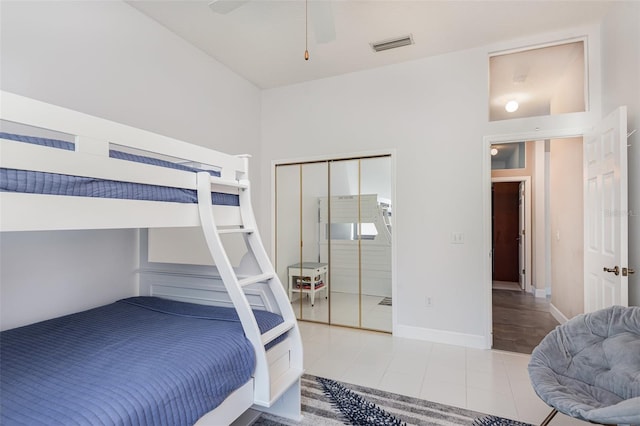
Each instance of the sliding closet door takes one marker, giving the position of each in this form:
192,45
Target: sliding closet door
333,240
375,243
288,226
314,295
299,254
344,264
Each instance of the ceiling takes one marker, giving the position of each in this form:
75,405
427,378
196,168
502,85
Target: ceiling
264,40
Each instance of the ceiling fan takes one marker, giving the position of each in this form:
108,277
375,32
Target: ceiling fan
320,14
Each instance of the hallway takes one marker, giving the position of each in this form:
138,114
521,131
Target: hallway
520,321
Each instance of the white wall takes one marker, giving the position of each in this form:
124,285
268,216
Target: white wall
621,86
429,111
565,211
107,59
48,274
415,108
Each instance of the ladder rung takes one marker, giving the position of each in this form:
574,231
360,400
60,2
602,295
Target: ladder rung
236,230
242,184
254,279
277,331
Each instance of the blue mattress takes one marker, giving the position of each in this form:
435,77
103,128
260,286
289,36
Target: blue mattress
139,361
13,180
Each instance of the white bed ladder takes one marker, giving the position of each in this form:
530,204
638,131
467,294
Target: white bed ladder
268,389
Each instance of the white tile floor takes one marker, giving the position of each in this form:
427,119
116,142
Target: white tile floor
491,382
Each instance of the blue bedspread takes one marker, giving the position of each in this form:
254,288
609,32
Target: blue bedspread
33,182
139,361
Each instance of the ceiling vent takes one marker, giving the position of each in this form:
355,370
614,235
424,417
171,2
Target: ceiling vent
392,43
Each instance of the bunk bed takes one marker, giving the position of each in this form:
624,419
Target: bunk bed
190,346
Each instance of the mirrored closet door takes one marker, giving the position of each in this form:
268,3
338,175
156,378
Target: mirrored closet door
375,243
341,214
333,240
298,252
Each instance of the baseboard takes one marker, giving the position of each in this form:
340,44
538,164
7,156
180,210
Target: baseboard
559,316
441,336
541,292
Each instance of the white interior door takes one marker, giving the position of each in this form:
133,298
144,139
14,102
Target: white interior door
606,222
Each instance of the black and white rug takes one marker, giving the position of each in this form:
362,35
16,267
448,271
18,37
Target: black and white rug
329,402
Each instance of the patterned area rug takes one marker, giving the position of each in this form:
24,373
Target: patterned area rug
329,402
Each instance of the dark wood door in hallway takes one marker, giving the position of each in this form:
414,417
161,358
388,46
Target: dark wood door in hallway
520,321
506,230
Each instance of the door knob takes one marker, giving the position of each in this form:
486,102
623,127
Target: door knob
628,271
615,270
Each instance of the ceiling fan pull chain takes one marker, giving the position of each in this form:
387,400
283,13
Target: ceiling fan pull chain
306,30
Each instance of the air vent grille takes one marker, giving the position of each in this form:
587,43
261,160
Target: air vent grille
392,43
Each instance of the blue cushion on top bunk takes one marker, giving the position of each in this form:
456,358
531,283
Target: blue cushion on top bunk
33,182
52,143
157,162
589,367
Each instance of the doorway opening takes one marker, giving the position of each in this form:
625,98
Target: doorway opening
545,227
508,234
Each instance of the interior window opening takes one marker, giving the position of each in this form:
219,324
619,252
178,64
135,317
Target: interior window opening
539,81
508,156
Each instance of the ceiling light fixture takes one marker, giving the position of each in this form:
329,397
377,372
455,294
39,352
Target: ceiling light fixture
306,30
511,106
494,151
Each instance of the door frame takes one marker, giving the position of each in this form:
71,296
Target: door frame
527,224
489,140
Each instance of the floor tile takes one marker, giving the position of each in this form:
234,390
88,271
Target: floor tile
363,375
488,362
437,372
492,381
373,361
409,362
444,393
401,383
489,381
330,368
491,402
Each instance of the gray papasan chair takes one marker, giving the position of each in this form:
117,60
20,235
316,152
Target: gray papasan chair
589,367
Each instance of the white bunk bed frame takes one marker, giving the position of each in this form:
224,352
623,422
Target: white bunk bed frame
275,386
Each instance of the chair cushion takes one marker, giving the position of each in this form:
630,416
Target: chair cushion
589,367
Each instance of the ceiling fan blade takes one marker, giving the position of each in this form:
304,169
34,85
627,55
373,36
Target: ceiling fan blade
321,16
225,6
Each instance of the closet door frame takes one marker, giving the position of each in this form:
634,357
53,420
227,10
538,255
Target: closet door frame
391,153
